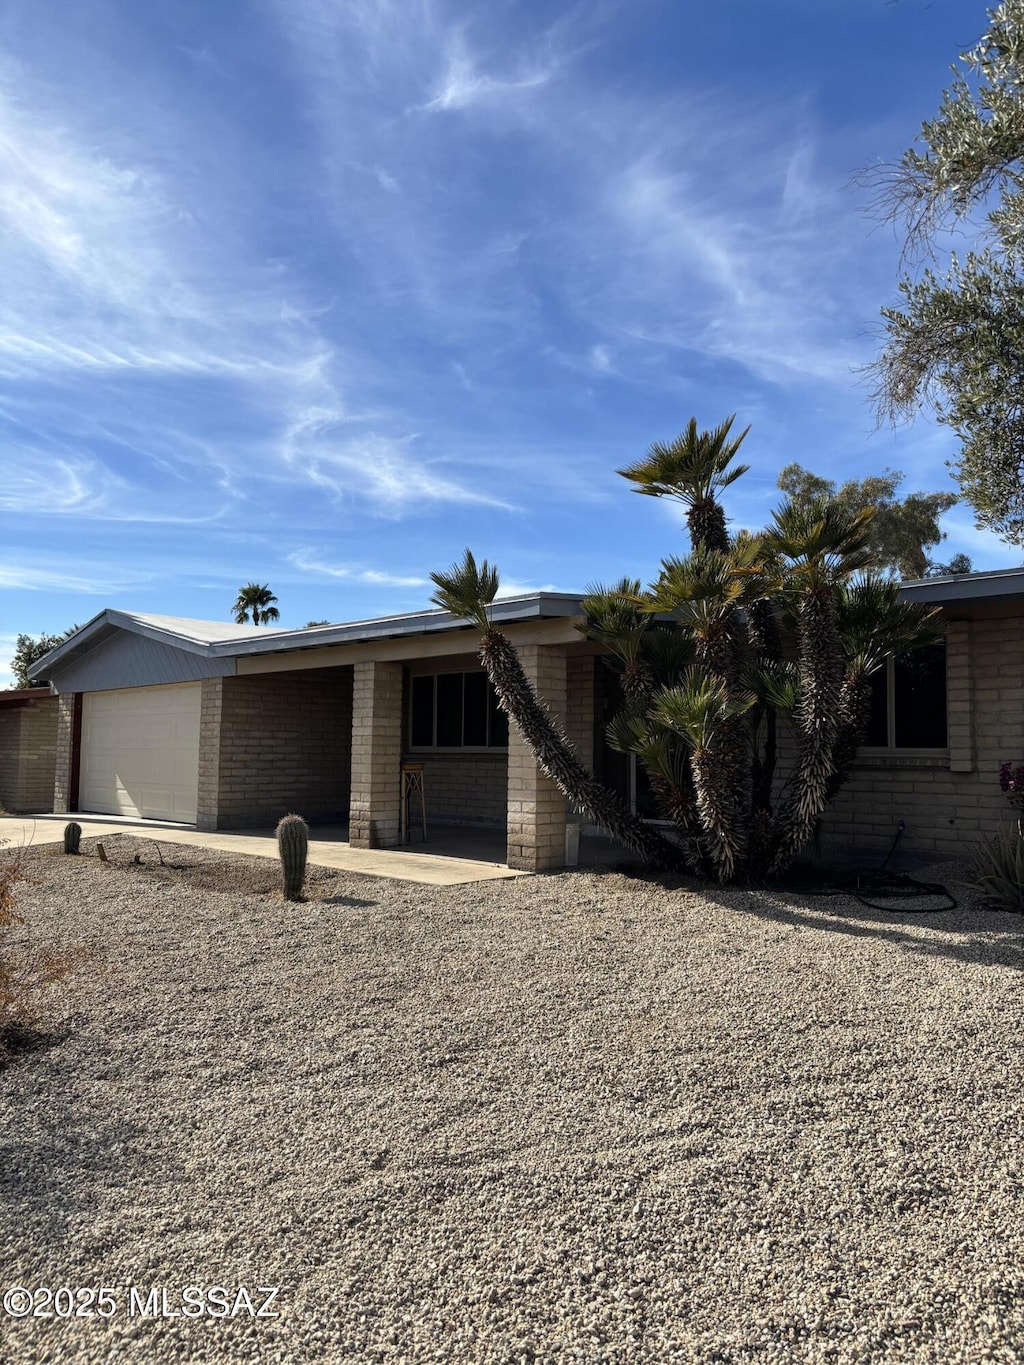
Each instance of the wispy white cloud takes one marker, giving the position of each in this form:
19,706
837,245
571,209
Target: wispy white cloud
512,587
310,561
35,578
385,471
464,84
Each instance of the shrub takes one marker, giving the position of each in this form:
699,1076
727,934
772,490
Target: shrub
999,871
24,973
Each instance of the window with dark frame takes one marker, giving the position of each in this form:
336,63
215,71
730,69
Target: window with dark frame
908,701
455,711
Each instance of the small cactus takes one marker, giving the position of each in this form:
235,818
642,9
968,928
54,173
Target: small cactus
292,846
72,834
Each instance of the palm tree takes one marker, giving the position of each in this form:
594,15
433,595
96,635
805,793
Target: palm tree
700,710
254,600
776,624
822,546
693,469
467,591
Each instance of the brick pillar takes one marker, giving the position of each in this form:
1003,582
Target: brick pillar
536,808
64,799
374,809
211,708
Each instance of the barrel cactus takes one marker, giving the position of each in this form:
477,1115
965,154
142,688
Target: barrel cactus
72,834
292,847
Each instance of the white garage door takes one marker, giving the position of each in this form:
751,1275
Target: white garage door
140,752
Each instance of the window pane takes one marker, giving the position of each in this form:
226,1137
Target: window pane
422,711
920,700
499,721
877,732
449,710
646,805
474,714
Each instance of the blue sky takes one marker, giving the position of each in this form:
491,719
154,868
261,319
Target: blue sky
318,292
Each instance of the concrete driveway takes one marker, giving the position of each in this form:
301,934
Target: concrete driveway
327,847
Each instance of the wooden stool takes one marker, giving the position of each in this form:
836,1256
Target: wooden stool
413,784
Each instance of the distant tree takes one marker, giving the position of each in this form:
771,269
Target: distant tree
317,623
255,601
901,531
957,564
956,343
29,649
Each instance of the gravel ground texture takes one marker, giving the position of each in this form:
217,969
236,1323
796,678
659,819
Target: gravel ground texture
586,1117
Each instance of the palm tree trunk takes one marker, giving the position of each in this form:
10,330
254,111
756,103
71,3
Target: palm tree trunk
706,520
854,709
728,766
556,759
717,809
818,721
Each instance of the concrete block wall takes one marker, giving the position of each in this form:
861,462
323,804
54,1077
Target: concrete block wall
536,808
580,691
951,803
211,711
285,745
463,788
64,762
28,746
374,811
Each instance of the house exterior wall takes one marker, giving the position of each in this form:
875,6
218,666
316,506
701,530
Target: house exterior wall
65,784
536,808
122,660
951,803
375,805
284,745
28,747
463,788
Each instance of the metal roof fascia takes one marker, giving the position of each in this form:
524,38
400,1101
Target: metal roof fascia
72,643
534,607
965,588
529,607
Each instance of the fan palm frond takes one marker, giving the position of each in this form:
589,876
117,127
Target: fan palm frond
875,621
467,590
698,706
692,467
823,542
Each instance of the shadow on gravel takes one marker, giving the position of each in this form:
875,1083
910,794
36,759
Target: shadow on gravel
992,938
985,943
52,1167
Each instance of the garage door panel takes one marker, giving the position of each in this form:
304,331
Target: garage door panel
140,752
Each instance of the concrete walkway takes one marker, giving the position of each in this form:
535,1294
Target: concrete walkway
327,847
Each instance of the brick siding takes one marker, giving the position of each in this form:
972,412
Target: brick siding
463,789
374,814
948,804
28,746
536,808
284,745
64,756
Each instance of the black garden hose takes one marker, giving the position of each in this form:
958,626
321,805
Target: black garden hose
875,888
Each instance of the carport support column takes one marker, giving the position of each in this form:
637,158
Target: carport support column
65,774
211,709
374,808
536,808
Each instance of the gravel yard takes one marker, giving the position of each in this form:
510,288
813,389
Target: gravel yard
568,1118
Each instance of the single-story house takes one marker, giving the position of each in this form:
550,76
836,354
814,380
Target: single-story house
226,727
